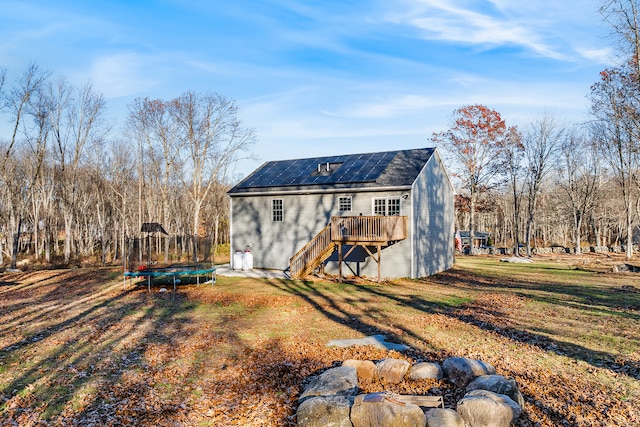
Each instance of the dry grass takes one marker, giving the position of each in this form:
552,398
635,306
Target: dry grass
77,349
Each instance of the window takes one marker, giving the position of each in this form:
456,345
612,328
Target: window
393,206
344,204
380,206
277,210
387,206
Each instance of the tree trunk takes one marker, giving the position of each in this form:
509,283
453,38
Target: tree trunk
472,225
67,238
16,242
629,252
577,224
528,235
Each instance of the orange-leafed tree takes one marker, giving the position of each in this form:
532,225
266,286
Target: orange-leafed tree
473,147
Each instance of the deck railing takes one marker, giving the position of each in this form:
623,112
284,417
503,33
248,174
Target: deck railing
346,229
375,229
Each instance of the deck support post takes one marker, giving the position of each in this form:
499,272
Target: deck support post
340,260
377,259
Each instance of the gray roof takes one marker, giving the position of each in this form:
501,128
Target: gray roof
353,171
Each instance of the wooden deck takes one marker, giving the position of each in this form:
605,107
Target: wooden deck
364,231
368,229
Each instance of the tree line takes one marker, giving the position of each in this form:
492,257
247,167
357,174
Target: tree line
70,189
71,186
553,182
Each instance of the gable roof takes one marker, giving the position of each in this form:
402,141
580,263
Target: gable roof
370,170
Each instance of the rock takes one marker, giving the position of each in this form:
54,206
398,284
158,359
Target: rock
425,370
385,412
325,411
482,408
340,381
517,260
461,370
444,418
365,369
498,384
392,370
378,341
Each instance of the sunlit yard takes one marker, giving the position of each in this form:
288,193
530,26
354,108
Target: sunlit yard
78,349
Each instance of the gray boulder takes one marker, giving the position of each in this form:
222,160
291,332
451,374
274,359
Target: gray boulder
425,370
340,381
325,411
498,384
378,341
482,408
385,412
462,370
392,370
444,418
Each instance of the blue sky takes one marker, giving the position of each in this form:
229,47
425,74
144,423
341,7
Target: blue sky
325,77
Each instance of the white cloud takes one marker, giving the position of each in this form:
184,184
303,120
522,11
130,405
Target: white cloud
602,56
446,21
122,74
547,29
394,107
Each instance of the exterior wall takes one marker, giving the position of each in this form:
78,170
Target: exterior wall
274,243
433,220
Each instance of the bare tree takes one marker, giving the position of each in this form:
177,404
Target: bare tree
579,174
152,125
23,104
213,139
541,142
615,128
513,153
77,124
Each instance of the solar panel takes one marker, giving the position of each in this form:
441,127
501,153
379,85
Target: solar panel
355,168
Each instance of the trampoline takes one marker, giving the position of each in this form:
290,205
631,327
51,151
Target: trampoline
173,273
142,269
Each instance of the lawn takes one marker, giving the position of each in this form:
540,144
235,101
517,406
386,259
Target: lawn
78,349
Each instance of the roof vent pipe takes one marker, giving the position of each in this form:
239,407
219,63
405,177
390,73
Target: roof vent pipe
327,166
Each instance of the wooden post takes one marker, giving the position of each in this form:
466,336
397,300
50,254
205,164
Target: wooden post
379,262
340,260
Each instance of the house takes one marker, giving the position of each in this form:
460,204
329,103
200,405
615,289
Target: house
384,214
480,238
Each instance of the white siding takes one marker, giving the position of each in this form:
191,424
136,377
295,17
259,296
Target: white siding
274,243
433,201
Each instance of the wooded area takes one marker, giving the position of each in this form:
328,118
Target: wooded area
72,189
556,183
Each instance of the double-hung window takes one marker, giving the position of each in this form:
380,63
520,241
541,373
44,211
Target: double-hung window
386,206
277,210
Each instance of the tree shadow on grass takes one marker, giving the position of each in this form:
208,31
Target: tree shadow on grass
325,298
369,321
93,337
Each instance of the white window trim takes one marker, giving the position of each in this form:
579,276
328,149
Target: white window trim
386,204
350,203
273,211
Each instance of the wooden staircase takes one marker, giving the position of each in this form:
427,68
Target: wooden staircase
312,254
361,230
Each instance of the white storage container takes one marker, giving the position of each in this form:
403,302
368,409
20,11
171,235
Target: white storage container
247,260
237,260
